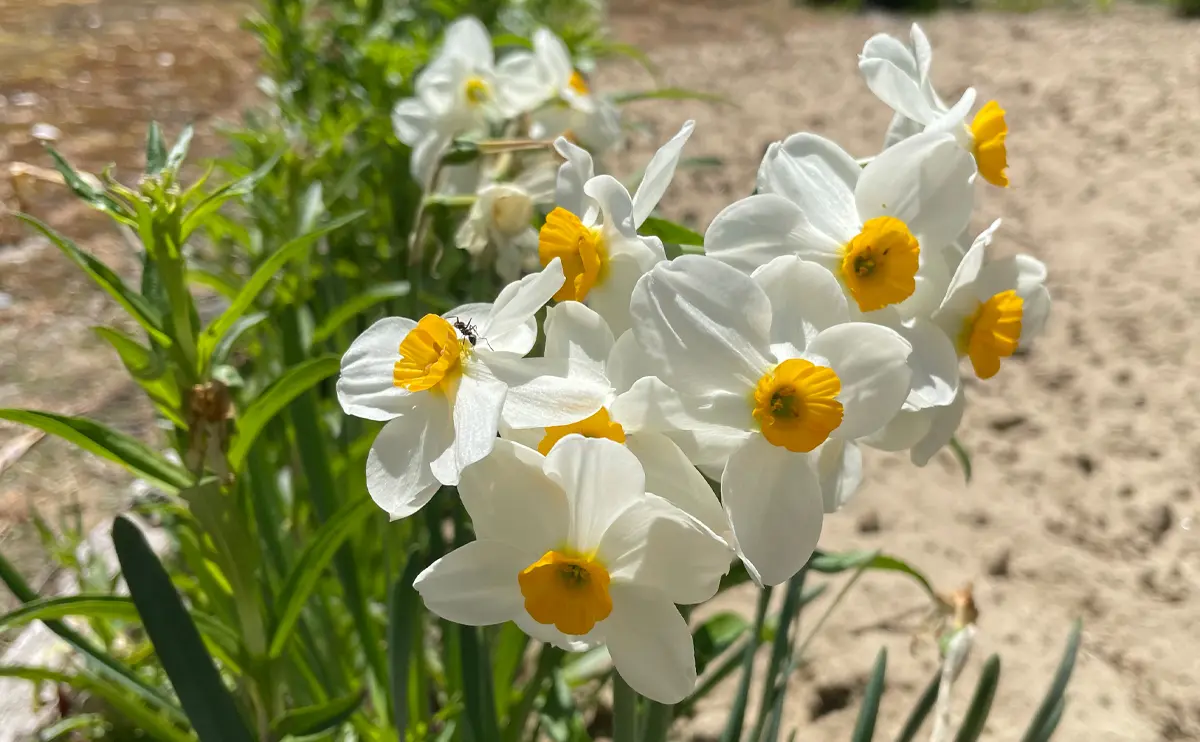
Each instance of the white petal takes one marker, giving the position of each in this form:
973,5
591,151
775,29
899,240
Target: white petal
511,500
520,84
650,644
468,39
572,176
904,431
706,427
575,331
610,299
439,87
805,299
544,392
477,405
751,232
547,633
704,323
773,499
475,584
658,174
476,315
871,363
839,465
426,153
941,429
399,478
927,182
519,301
601,478
934,364
366,387
922,51
818,176
672,477
962,294
554,58
627,363
891,74
410,119
901,128
614,201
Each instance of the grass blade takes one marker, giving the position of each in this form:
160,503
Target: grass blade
737,712
404,616
671,94
356,306
920,712
868,560
864,729
107,443
298,380
963,456
318,719
311,566
981,702
1045,720
156,151
775,681
189,667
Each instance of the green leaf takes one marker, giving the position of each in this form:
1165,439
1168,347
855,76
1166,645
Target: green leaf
84,190
210,280
981,703
356,306
770,709
737,711
864,729
158,727
311,566
670,232
611,48
122,449
671,94
507,652
89,726
150,372
834,563
403,621
156,151
259,280
716,635
215,200
921,711
274,399
1046,719
132,302
179,151
476,685
962,456
317,719
189,667
225,345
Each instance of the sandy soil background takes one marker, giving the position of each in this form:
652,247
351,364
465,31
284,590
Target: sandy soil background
1086,451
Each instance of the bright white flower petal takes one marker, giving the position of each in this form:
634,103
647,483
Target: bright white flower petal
475,585
773,498
518,302
650,644
544,392
520,85
601,479
477,405
805,299
511,500
819,177
399,478
659,173
904,431
941,429
554,57
572,176
672,477
627,363
751,232
707,428
610,299
839,465
891,74
614,201
411,119
468,39
366,387
575,331
934,364
547,633
871,363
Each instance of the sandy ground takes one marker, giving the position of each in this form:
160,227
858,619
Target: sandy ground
1086,452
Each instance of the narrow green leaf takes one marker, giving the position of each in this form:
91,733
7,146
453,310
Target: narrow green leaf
132,302
84,190
215,200
508,650
549,658
476,681
872,560
671,94
317,719
156,151
227,342
962,456
670,232
511,39
625,711
611,48
717,634
179,151
122,449
404,616
89,726
737,711
258,281
274,399
311,566
149,370
356,306
159,727
921,711
864,729
189,667
1045,720
981,702
210,280
779,668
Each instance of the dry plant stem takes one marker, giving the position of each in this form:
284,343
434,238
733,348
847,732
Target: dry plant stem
956,656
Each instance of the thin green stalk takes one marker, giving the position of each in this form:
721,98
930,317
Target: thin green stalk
549,657
779,652
737,713
625,711
837,599
658,722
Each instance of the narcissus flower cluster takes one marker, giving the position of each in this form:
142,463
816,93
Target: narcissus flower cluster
685,410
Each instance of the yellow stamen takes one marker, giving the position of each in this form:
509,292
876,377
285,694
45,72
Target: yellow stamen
879,266
579,83
477,91
599,425
991,156
431,356
796,405
567,590
581,249
992,332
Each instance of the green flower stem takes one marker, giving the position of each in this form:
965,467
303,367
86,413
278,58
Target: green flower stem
625,711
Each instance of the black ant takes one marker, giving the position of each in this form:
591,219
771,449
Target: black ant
468,330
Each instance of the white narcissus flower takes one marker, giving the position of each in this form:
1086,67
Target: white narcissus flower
993,307
463,91
579,334
593,230
899,76
573,549
441,385
769,365
573,111
879,230
502,217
